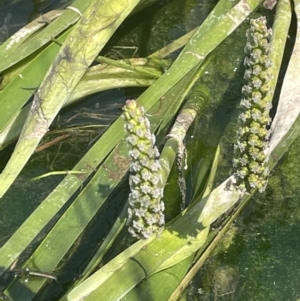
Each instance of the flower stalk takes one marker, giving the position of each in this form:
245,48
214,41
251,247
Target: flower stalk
249,156
145,212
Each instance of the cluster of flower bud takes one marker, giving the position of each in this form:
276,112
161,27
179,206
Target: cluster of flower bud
249,157
145,212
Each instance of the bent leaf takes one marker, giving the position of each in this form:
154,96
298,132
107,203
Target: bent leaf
88,37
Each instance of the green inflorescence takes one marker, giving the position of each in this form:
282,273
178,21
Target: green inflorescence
249,157
145,212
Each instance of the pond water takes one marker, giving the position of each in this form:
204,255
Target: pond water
265,248
264,254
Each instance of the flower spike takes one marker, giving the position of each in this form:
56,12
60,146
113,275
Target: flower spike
249,158
145,213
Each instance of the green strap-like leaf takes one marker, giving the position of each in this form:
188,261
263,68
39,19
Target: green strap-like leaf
20,89
289,102
106,179
16,40
67,18
97,78
88,37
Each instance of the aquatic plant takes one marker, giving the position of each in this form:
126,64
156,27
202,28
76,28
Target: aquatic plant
249,157
145,212
93,181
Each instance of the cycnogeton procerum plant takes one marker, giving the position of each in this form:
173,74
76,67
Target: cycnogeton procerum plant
145,212
249,157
